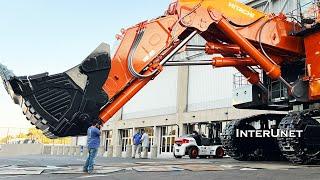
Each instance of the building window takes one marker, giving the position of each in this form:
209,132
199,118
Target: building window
108,139
168,135
126,138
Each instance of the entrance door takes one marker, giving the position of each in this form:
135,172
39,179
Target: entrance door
150,132
126,138
168,135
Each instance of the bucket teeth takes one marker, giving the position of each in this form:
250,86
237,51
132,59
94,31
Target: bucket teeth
6,75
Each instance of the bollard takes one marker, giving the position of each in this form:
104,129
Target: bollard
55,150
154,152
60,150
110,152
129,151
144,153
78,151
72,151
118,150
66,150
85,151
47,150
101,151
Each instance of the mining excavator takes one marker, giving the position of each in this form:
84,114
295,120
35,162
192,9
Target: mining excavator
278,54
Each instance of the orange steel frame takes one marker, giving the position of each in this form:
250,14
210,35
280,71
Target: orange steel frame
215,20
312,42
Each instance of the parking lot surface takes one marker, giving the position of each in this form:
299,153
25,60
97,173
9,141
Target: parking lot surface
66,167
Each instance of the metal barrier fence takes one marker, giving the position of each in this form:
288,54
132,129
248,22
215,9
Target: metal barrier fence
12,135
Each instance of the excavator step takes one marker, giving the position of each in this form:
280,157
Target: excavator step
63,104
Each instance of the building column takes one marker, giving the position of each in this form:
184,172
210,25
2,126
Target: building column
182,96
155,146
102,148
110,151
129,149
133,153
116,138
182,90
115,145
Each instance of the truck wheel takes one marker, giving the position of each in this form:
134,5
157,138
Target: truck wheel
219,152
178,157
193,152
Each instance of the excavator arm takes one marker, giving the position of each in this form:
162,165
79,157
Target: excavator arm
65,104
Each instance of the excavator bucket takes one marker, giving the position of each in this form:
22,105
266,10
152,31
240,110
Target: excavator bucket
63,104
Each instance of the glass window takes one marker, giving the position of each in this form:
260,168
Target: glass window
108,139
168,144
164,131
163,149
169,133
126,138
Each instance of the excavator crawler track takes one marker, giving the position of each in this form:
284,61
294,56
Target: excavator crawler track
63,104
305,149
250,149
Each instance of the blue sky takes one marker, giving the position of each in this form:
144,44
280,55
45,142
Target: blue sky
52,36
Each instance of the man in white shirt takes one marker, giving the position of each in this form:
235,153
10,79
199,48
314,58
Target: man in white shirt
145,143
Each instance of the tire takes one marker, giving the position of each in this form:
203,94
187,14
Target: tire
193,152
219,152
177,157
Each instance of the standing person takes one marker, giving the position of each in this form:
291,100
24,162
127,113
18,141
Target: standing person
93,143
196,137
145,143
137,144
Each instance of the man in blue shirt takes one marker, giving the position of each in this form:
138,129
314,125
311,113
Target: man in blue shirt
93,143
137,144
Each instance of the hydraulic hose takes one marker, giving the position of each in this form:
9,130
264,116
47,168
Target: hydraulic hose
131,55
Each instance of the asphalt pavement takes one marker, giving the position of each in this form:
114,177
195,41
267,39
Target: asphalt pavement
66,167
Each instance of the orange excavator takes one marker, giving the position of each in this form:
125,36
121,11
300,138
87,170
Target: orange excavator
277,54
